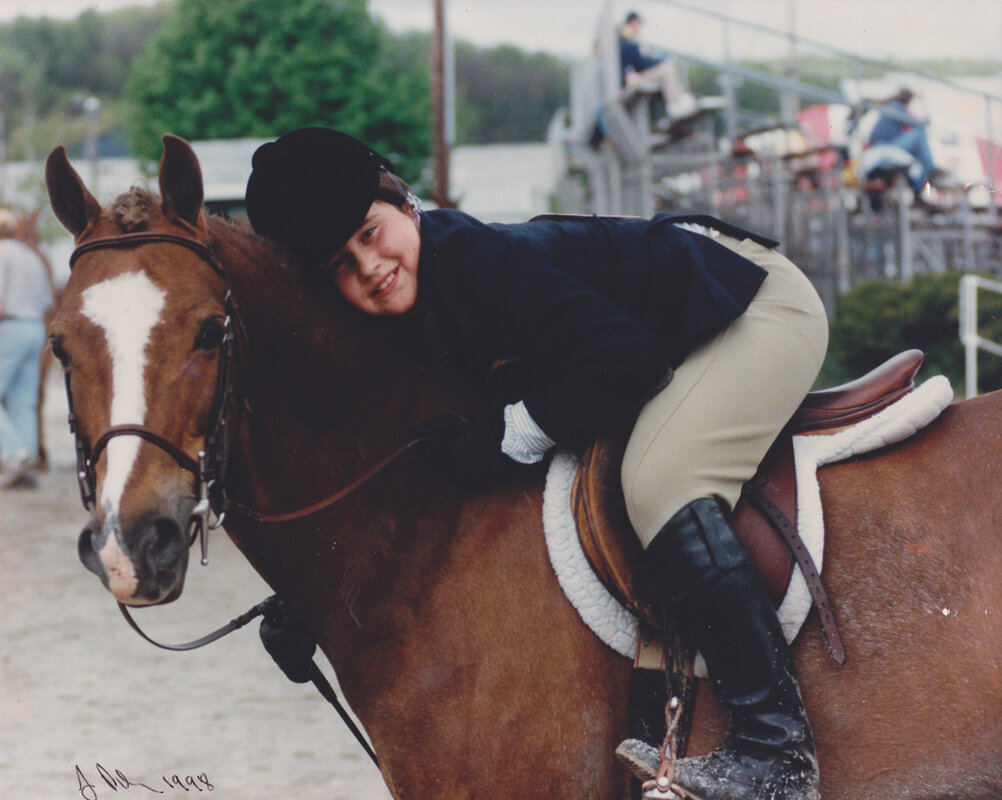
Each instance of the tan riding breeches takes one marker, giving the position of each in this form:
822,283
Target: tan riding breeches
707,431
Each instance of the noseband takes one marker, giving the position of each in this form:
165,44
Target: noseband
210,468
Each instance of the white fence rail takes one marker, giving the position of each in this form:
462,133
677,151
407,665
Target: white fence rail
969,336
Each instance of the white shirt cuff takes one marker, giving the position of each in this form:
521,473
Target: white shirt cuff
524,441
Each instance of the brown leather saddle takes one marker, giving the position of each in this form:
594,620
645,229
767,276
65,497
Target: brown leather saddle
764,518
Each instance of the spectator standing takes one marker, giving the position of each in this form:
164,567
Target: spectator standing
25,296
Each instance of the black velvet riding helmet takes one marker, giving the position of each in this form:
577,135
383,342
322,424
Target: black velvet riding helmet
311,189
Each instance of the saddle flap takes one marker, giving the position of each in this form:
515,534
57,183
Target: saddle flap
607,538
615,552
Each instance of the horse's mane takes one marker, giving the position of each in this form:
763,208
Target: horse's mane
267,276
251,261
137,209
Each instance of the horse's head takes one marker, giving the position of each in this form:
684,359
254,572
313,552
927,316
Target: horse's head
139,333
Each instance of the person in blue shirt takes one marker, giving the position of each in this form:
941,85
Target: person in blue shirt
899,127
696,334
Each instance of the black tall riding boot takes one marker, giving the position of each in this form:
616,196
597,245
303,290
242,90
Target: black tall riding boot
719,599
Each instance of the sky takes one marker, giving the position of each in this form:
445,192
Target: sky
878,29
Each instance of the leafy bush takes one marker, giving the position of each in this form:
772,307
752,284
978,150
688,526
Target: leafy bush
876,320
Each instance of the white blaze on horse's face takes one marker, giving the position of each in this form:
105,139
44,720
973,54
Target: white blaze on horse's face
126,308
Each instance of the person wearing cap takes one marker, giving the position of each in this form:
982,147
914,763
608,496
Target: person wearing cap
696,333
25,296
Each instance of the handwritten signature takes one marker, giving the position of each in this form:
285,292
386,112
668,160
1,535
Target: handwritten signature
116,780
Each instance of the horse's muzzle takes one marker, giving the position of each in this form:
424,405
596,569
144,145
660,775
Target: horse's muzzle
143,563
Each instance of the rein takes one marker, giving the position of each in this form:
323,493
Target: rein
243,619
330,500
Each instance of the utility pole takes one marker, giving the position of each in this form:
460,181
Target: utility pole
441,72
789,101
92,107
3,158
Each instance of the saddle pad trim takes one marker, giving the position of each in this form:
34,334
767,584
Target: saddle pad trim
599,610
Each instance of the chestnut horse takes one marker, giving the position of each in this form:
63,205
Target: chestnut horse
439,610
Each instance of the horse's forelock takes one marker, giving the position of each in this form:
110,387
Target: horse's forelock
134,209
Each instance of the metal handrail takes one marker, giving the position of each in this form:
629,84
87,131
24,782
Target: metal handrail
819,45
792,86
972,341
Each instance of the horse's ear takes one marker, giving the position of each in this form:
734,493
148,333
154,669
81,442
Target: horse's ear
72,203
180,180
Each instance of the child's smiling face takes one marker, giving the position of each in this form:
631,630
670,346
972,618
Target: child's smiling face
376,270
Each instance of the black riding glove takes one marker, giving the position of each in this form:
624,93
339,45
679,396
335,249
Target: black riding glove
467,452
288,641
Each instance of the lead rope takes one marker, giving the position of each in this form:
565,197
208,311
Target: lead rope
270,609
265,607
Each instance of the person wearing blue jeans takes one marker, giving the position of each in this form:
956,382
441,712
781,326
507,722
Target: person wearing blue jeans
25,296
898,127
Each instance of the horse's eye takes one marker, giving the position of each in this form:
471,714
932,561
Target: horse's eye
210,335
59,351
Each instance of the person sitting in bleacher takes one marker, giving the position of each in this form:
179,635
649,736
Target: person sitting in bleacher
900,127
641,71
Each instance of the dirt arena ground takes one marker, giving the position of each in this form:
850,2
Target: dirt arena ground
84,700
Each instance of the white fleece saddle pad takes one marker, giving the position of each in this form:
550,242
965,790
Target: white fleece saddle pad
618,628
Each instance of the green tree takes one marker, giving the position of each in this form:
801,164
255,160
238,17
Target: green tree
507,95
48,66
245,68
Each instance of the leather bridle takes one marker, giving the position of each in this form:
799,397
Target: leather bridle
210,468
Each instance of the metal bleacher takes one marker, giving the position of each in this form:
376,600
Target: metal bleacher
759,170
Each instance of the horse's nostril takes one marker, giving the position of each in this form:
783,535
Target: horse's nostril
166,544
88,554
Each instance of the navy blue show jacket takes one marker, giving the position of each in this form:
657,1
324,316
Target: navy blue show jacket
597,310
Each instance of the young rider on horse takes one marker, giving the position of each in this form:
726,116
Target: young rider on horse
697,332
